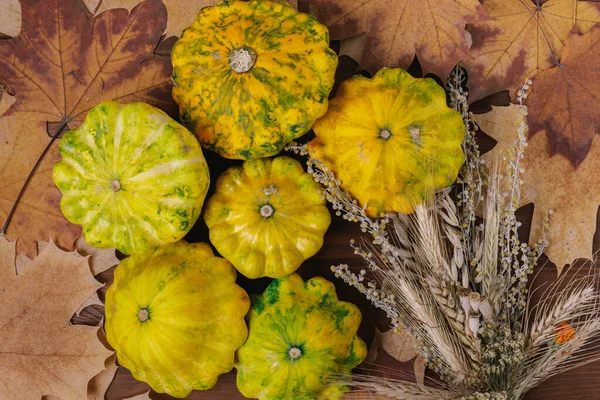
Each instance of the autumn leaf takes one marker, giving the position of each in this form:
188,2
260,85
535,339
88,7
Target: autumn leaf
143,396
99,260
399,29
523,38
551,182
398,346
353,47
41,353
565,100
63,63
181,12
99,384
401,347
10,17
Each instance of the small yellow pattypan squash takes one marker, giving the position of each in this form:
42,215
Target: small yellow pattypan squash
175,317
267,217
300,337
251,76
391,140
133,177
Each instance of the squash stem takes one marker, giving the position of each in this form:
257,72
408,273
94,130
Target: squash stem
385,134
115,185
267,210
242,60
143,314
294,353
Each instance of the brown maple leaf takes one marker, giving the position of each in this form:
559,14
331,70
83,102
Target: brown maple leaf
143,396
99,384
10,17
565,100
551,182
63,63
99,260
399,29
523,38
181,12
41,353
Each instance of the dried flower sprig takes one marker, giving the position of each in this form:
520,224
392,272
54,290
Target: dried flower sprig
459,284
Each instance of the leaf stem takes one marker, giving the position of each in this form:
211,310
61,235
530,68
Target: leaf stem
35,167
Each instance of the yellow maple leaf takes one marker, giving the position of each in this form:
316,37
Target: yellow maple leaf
41,353
551,182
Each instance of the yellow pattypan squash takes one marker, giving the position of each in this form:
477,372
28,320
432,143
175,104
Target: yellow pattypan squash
391,140
267,217
175,317
251,76
134,178
300,337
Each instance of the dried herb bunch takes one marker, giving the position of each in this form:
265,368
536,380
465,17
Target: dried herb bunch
459,284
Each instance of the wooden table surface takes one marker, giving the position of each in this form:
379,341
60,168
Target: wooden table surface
580,384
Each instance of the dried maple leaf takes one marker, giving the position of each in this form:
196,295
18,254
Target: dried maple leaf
63,63
399,29
99,384
181,12
551,182
401,347
10,17
565,100
99,260
398,346
523,38
143,396
41,354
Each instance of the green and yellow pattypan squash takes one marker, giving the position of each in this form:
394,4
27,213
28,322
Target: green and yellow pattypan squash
175,317
300,337
267,217
391,140
134,178
251,76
